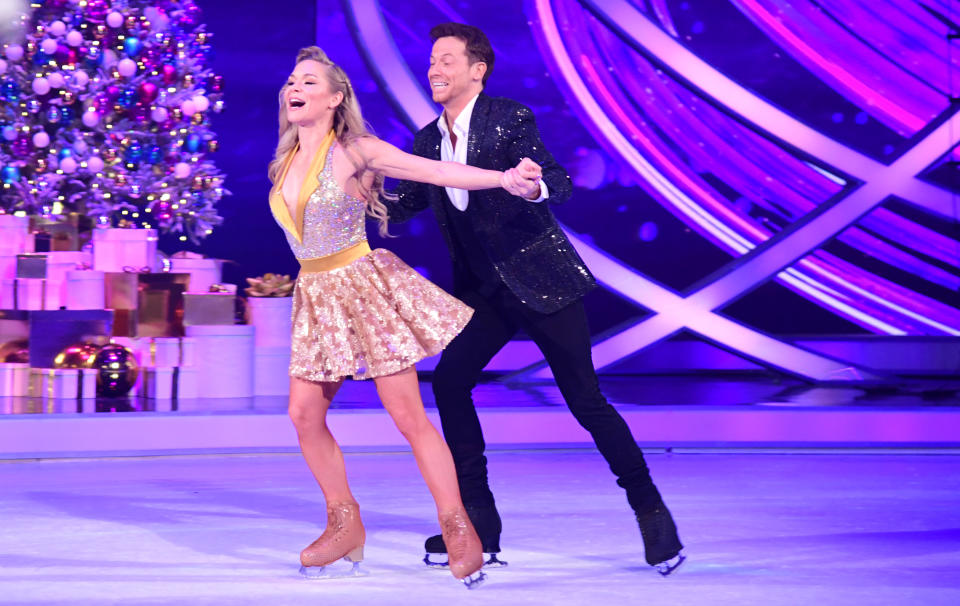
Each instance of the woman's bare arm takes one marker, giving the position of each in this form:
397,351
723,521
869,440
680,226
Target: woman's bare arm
392,162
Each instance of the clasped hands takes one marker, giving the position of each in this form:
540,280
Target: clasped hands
523,180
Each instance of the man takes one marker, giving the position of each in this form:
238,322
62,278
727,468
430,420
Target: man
516,268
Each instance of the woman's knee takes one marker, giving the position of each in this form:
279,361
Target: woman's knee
306,415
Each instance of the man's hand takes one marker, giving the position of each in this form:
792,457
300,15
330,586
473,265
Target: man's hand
523,180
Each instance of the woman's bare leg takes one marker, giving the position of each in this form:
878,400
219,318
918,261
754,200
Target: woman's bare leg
309,403
400,394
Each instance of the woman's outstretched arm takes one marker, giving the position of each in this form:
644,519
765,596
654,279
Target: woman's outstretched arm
389,161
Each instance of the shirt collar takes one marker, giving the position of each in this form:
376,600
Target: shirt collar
462,124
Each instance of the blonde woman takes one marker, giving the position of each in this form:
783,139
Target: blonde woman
358,312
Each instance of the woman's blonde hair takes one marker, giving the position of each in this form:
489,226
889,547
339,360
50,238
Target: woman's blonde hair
348,126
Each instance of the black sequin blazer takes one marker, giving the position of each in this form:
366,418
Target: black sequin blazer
521,239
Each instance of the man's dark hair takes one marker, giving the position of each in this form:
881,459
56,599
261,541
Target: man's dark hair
478,46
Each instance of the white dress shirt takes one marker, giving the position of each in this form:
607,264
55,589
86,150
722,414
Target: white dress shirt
460,198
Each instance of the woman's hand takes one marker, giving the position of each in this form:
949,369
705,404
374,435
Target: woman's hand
523,180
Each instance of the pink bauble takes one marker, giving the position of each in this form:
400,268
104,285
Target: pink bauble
80,78
188,107
114,19
181,170
201,103
148,92
169,73
14,52
94,164
127,67
68,165
49,46
41,86
3,67
57,28
109,58
74,38
90,118
41,139
56,80
160,114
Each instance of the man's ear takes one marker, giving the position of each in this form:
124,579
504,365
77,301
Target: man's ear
477,70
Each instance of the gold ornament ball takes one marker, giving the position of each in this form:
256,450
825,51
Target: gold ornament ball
117,370
213,145
41,165
79,355
131,22
197,118
15,351
188,79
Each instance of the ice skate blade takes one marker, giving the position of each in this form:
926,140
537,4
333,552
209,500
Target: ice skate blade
475,580
667,567
490,562
323,573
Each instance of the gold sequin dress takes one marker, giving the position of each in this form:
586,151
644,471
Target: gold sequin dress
356,312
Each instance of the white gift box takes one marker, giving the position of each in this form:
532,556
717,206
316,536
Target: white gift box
29,293
15,236
14,378
55,383
224,359
40,280
271,371
84,289
8,265
115,249
169,383
167,351
271,318
203,272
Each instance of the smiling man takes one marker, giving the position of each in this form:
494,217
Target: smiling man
516,268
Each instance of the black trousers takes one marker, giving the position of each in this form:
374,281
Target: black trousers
564,339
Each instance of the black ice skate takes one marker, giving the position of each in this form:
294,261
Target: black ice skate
661,545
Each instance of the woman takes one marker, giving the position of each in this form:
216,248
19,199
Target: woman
358,312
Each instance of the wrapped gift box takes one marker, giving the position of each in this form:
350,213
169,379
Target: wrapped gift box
85,289
58,233
271,371
271,316
224,360
167,351
160,304
15,236
146,304
208,308
204,273
40,281
14,378
55,383
116,249
169,383
53,331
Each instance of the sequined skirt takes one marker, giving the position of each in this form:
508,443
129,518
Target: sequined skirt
373,317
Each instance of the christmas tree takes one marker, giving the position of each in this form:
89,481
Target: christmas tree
105,111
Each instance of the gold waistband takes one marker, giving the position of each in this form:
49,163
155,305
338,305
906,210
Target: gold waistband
341,258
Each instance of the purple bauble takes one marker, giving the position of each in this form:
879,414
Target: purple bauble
96,10
147,92
169,73
21,147
113,91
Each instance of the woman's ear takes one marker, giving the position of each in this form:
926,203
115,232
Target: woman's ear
337,99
